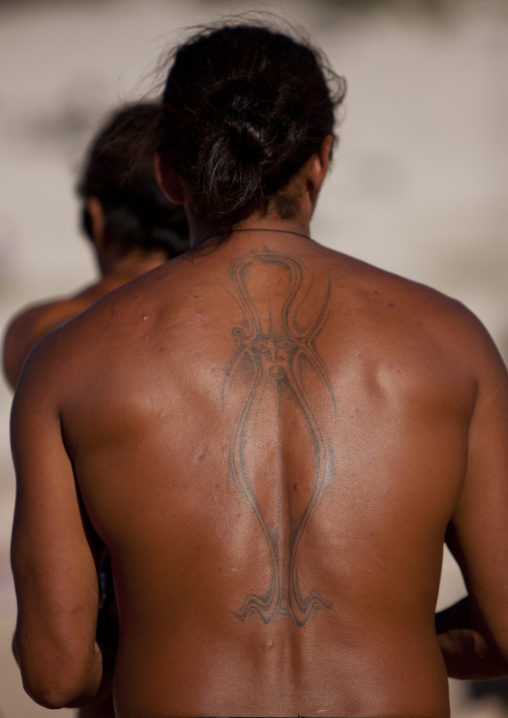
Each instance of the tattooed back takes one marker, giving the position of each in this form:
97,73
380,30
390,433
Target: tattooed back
271,438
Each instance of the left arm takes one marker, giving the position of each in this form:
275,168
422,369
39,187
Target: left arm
54,550
473,634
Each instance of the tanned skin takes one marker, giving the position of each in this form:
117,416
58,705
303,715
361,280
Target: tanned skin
117,265
273,440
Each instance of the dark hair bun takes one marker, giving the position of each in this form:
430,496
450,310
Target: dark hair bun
244,108
237,105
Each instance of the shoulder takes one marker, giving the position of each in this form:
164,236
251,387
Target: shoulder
413,295
27,327
413,309
33,322
445,318
69,332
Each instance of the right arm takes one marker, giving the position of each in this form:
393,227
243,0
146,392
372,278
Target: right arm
473,634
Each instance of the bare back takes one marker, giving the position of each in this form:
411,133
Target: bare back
271,439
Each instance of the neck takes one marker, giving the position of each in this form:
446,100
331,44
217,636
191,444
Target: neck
201,234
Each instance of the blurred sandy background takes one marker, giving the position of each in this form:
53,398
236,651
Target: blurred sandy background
419,183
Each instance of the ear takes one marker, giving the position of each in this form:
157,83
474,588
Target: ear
318,168
169,181
96,213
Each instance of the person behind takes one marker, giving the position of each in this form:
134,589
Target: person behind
272,439
125,214
133,228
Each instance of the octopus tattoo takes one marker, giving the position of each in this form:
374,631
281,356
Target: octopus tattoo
273,348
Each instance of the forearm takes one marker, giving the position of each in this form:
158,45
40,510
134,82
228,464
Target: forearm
66,655
467,651
469,657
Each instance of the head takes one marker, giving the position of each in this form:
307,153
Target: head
120,191
244,108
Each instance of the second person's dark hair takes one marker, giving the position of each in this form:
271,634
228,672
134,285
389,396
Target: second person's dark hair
119,172
243,109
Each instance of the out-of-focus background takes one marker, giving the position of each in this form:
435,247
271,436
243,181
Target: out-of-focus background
419,183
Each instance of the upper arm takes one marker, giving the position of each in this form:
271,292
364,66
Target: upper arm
54,550
478,531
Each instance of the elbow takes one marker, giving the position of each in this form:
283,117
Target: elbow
42,680
58,671
48,693
55,683
48,699
55,691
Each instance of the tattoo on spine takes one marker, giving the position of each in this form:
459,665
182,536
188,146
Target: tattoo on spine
275,348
